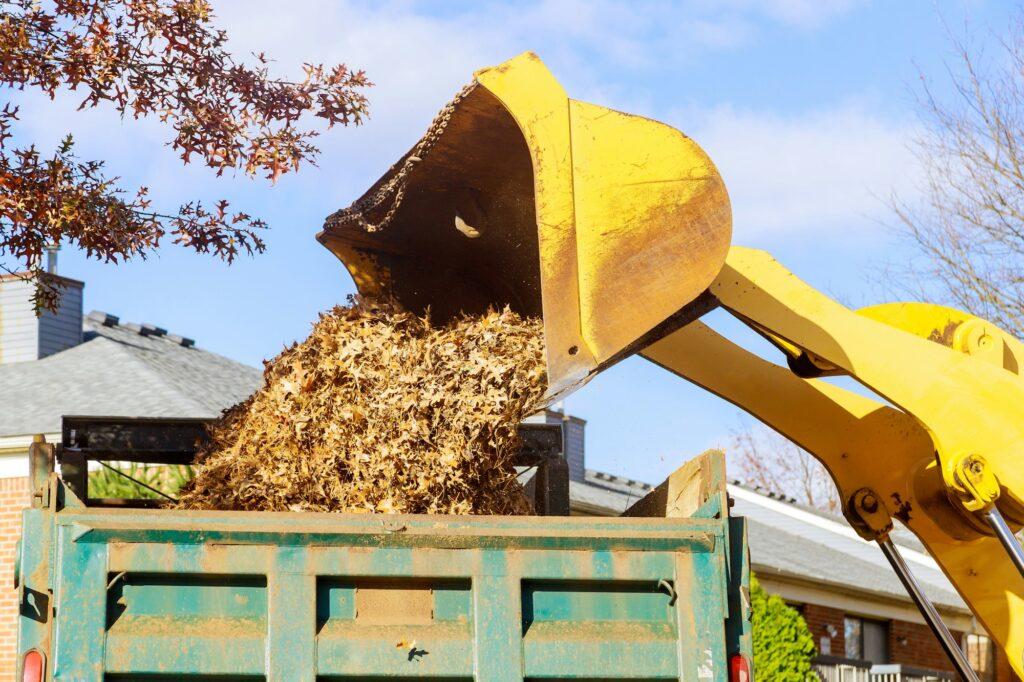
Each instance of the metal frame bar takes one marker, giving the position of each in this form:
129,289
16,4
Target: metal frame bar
1006,537
927,609
147,440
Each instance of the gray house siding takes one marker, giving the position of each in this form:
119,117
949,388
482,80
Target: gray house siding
23,335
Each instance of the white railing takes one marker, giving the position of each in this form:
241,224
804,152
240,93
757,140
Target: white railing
835,669
903,673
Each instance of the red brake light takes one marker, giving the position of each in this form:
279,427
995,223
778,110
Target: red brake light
32,670
739,669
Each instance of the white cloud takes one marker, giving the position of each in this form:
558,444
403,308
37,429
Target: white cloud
807,14
804,173
784,173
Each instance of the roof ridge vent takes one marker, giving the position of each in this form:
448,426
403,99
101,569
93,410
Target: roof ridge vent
102,318
152,330
181,340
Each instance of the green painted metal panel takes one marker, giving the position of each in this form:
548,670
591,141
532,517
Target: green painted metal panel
180,623
34,581
616,629
702,621
81,607
230,647
739,628
179,678
497,618
335,600
595,601
186,596
440,650
291,616
601,650
157,595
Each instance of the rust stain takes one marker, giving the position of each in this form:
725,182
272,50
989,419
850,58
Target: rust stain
903,508
392,604
944,336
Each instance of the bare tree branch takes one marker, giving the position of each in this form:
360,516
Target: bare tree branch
766,459
968,226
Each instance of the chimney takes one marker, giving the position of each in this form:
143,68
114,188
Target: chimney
573,435
24,336
51,258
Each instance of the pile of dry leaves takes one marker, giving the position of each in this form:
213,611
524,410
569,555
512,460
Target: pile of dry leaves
380,411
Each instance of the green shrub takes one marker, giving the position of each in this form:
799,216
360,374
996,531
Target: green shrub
104,482
783,644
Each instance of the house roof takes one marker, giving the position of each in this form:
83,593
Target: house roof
601,493
776,552
789,539
121,370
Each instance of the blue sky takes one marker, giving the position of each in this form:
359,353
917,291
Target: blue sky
805,105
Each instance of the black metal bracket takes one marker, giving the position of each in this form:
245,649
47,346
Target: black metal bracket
543,447
146,440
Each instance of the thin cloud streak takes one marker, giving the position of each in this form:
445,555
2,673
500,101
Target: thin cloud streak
806,173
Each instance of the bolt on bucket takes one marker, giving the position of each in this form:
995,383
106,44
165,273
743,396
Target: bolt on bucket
610,226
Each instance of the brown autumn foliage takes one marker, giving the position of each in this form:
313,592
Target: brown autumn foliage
382,411
161,58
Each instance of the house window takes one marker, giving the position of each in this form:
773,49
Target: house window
866,640
980,655
853,635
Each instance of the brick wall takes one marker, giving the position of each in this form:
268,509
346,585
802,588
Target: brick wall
921,649
914,644
818,617
14,496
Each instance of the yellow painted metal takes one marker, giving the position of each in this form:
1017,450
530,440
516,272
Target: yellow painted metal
968,407
576,212
613,226
942,397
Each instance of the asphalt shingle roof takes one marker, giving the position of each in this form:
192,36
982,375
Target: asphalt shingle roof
776,551
120,370
791,539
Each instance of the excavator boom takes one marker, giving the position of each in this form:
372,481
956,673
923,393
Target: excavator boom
617,229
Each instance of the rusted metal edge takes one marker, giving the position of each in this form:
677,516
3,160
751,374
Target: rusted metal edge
299,523
690,542
636,539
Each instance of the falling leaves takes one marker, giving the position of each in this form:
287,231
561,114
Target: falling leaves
381,411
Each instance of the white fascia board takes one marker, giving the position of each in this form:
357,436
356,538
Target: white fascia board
884,607
14,454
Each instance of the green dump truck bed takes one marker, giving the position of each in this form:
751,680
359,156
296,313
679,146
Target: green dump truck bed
152,595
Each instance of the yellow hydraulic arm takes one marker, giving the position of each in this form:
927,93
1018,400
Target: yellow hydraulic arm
939,461
616,230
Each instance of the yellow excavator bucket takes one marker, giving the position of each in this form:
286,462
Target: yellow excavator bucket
609,225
